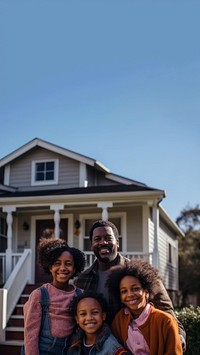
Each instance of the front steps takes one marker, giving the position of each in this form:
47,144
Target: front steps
15,326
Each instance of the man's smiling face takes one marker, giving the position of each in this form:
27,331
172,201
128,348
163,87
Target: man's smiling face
104,244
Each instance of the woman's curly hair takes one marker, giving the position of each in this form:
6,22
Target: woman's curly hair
146,274
87,294
49,250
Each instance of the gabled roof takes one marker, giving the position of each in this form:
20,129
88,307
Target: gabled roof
37,142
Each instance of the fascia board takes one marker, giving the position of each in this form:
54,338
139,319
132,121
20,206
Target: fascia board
7,188
123,180
135,196
56,149
25,148
67,153
172,224
101,166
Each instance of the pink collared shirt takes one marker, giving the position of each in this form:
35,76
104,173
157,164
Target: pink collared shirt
135,341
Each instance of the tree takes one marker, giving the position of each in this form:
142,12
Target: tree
189,253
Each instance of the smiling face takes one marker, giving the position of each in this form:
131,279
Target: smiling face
62,270
104,244
90,317
132,295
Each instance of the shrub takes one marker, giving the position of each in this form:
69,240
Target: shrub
190,318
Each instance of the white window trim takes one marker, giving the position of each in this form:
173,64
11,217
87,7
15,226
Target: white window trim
49,182
82,175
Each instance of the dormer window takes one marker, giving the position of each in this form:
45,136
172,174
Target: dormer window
45,172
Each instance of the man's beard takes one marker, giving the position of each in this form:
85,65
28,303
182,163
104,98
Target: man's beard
105,259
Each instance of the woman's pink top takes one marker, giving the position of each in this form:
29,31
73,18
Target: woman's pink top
61,322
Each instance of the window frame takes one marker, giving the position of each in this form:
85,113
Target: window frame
54,181
171,254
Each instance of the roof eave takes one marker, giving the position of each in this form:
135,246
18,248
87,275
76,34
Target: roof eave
172,224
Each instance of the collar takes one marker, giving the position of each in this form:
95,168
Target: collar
142,317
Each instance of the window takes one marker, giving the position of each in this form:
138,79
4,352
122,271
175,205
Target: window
171,254
45,172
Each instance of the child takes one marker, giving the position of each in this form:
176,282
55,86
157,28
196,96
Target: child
93,335
139,326
46,332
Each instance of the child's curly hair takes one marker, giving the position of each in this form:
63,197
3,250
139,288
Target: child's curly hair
87,294
49,249
146,274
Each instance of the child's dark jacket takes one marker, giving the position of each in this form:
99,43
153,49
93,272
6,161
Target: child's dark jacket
106,343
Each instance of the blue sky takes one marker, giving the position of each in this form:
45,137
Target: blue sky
118,81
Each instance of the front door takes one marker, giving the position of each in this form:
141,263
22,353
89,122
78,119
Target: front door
45,228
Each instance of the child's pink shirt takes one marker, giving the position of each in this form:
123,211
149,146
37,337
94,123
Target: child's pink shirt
135,341
61,322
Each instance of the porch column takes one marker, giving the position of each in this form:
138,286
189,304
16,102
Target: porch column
57,208
9,220
104,206
155,257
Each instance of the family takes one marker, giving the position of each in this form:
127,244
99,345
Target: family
116,306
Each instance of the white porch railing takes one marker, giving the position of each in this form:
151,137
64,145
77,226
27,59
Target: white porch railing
90,257
10,293
15,258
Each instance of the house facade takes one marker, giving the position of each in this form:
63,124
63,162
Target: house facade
49,190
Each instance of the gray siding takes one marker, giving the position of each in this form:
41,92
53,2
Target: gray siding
134,229
168,270
101,180
20,171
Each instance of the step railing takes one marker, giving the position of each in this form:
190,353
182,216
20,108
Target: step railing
14,259
12,290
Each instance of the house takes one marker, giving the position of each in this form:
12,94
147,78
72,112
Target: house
49,190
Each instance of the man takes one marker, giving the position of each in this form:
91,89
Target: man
104,239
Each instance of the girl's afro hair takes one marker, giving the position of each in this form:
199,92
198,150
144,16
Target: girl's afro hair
49,250
146,274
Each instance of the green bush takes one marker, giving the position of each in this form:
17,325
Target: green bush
190,318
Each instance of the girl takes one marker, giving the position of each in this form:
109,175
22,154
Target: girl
93,334
47,320
139,326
